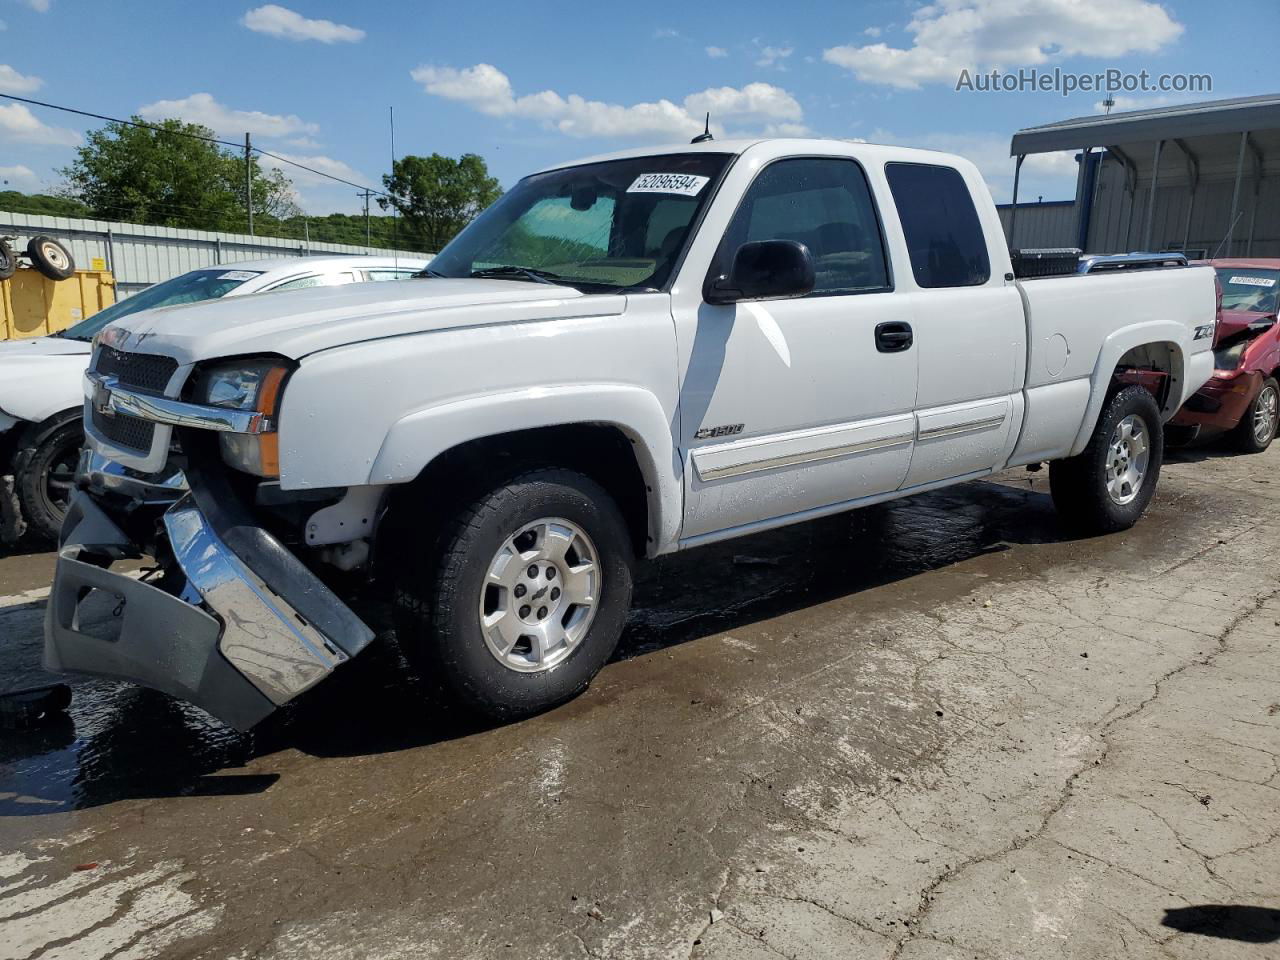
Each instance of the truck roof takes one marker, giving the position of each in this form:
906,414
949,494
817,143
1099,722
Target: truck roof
782,145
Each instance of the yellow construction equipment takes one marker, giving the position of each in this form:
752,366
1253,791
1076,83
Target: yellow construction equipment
32,305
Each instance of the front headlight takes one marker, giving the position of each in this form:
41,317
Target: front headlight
249,385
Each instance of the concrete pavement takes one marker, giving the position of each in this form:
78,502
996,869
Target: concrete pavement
937,730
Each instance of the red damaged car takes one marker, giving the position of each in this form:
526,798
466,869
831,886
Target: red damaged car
1243,397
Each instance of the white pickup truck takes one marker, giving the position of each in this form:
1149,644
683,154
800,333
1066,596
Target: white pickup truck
624,357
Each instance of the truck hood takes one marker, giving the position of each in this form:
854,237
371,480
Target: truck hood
297,323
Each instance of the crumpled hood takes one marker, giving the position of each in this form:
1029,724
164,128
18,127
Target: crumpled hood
39,378
1231,322
296,323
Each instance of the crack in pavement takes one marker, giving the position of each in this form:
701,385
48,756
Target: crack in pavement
927,895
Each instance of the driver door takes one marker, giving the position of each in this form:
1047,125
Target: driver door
790,406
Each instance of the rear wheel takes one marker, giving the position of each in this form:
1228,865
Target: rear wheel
51,258
1107,487
1257,428
526,597
8,262
46,474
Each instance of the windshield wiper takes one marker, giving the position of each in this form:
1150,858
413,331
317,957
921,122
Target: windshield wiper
428,272
516,273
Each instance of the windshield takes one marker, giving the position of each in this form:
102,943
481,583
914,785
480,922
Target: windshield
188,288
1248,289
601,226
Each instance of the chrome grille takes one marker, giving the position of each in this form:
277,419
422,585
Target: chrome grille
143,371
125,431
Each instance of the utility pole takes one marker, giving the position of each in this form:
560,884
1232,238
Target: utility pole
248,179
368,242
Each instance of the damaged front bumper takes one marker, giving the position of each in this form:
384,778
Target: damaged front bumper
236,624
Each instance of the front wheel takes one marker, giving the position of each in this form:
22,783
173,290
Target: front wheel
527,597
1107,486
46,474
1257,428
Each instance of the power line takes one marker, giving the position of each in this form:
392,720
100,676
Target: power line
194,136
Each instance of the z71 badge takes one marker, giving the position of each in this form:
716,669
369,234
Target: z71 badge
725,430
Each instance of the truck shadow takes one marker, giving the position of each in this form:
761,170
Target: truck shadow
688,596
125,742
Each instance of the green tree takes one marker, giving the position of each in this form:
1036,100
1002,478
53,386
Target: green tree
437,196
11,201
164,175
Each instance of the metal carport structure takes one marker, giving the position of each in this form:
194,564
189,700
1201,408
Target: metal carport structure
1199,177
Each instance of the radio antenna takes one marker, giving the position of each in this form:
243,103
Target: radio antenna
705,135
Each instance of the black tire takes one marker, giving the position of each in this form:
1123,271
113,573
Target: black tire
1080,484
8,262
439,600
1251,435
45,470
51,258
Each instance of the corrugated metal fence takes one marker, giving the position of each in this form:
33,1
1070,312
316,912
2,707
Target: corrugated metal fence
139,255
1048,223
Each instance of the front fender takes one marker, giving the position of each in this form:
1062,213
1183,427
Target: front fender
1121,341
419,437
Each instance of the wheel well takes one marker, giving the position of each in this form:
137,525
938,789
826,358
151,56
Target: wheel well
1155,366
600,451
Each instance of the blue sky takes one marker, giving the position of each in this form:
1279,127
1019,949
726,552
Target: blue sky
527,85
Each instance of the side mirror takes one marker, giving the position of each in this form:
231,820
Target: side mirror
764,269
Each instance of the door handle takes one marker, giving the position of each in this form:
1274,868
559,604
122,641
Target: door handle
894,337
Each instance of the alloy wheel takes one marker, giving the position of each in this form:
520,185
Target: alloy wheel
540,595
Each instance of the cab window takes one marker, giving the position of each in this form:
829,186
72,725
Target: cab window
940,222
824,203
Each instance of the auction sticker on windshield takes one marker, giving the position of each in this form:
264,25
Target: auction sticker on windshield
685,184
1254,281
237,275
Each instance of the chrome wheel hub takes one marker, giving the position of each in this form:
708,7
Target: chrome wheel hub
1127,459
1266,414
540,595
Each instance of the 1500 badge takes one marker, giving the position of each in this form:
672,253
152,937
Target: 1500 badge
725,430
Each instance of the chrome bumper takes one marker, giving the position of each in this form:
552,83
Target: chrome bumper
99,474
224,641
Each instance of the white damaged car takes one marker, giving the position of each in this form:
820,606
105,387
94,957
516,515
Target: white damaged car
41,379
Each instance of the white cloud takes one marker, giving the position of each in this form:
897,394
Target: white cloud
485,88
39,6
1051,174
202,108
667,33
318,162
11,81
773,56
951,35
304,143
716,53
18,178
872,32
20,125
278,21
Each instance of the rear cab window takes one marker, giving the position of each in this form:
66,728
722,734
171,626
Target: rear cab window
940,222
